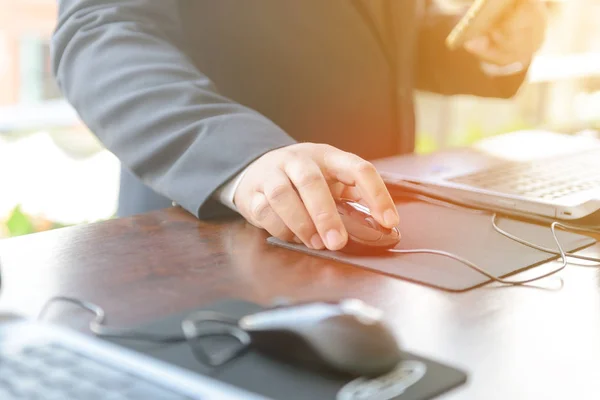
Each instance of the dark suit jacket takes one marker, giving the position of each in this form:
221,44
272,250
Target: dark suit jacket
187,92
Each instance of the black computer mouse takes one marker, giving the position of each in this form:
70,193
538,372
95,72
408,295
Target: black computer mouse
365,234
348,338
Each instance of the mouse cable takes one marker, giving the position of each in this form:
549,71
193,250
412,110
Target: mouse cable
98,328
565,227
546,249
483,271
191,330
561,252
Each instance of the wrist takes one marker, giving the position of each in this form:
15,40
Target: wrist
226,193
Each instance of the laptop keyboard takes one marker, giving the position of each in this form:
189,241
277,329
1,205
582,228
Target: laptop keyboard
50,371
546,179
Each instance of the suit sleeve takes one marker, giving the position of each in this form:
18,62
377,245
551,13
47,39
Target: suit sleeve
451,72
122,64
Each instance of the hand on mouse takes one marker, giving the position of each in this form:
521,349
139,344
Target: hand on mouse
290,193
515,38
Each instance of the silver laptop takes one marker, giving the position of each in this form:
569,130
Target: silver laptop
42,361
533,173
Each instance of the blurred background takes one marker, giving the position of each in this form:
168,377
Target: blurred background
53,172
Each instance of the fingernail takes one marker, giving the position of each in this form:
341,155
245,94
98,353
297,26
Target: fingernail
390,218
334,239
316,242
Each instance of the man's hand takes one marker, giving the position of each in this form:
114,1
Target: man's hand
515,38
290,193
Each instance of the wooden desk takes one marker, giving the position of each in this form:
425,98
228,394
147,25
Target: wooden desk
516,342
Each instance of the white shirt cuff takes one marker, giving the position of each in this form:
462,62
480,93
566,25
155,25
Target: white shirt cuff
505,70
226,193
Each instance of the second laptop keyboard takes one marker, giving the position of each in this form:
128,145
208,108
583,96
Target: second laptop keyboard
51,371
546,179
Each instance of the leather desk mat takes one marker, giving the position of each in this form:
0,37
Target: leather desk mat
281,381
466,234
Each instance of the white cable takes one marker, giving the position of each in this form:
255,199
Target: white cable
483,271
546,249
563,255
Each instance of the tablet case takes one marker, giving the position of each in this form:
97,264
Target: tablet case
464,233
277,380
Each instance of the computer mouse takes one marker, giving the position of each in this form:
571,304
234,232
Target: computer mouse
365,234
347,338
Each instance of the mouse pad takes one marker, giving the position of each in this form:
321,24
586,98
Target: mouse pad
463,233
280,381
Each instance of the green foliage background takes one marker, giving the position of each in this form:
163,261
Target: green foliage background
19,223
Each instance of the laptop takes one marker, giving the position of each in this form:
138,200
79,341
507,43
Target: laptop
43,361
536,174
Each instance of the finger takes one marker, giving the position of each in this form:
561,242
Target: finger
337,189
352,193
314,191
512,36
354,171
263,216
506,42
519,18
498,57
341,191
286,202
487,52
478,45
520,26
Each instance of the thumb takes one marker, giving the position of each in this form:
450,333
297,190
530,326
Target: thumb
478,45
